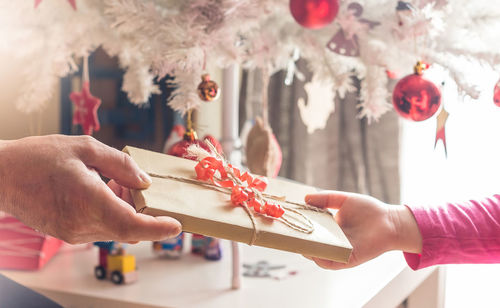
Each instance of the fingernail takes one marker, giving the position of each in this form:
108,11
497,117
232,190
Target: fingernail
175,231
145,178
174,226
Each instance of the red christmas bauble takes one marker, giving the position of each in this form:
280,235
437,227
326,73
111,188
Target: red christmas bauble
415,98
314,14
179,149
496,94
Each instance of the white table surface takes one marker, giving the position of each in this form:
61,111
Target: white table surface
194,282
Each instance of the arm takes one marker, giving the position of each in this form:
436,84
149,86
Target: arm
453,233
467,232
52,184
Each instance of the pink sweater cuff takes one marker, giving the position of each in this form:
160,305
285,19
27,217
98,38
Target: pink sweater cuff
466,232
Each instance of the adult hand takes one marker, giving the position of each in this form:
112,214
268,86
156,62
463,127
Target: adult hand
371,226
51,183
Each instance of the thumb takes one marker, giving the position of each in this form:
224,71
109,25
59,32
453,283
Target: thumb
327,199
121,222
331,265
114,164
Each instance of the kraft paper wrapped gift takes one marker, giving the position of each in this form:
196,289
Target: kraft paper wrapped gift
209,212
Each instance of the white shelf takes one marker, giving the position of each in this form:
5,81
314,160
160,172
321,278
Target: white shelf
194,282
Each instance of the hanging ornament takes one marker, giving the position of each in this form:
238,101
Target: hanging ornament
263,152
190,137
71,2
345,42
314,14
414,97
496,94
208,90
179,148
320,104
440,129
85,105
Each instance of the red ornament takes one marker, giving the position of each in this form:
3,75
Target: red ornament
86,107
314,14
416,98
441,129
179,149
496,94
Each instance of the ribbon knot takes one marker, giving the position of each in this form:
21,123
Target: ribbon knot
244,187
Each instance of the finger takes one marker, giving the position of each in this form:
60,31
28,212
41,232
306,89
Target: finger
122,192
113,164
116,188
328,264
121,222
141,227
128,226
327,199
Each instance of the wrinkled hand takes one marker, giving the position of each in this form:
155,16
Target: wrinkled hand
371,226
51,183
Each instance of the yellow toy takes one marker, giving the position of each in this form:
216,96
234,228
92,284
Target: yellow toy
115,264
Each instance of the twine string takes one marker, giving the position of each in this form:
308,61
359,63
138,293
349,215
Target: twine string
85,71
292,218
265,95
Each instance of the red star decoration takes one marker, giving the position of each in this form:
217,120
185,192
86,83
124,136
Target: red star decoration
440,129
72,2
86,107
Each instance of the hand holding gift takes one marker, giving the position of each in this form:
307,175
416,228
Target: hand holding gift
371,226
52,183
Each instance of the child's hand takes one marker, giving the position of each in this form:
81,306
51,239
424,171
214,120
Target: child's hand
371,226
51,183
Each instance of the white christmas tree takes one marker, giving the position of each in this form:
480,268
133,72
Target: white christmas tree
153,39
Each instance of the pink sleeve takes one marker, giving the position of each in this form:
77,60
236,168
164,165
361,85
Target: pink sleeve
466,232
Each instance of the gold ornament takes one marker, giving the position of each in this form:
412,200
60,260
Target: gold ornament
208,90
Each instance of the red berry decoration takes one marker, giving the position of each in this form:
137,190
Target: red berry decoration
314,14
496,94
416,98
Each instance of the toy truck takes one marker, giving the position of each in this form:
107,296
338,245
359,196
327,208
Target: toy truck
170,248
115,264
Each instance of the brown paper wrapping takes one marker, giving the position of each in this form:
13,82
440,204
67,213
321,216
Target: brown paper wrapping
209,212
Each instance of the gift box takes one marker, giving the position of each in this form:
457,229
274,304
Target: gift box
205,208
23,248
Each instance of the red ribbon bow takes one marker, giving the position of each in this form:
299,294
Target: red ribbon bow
206,169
